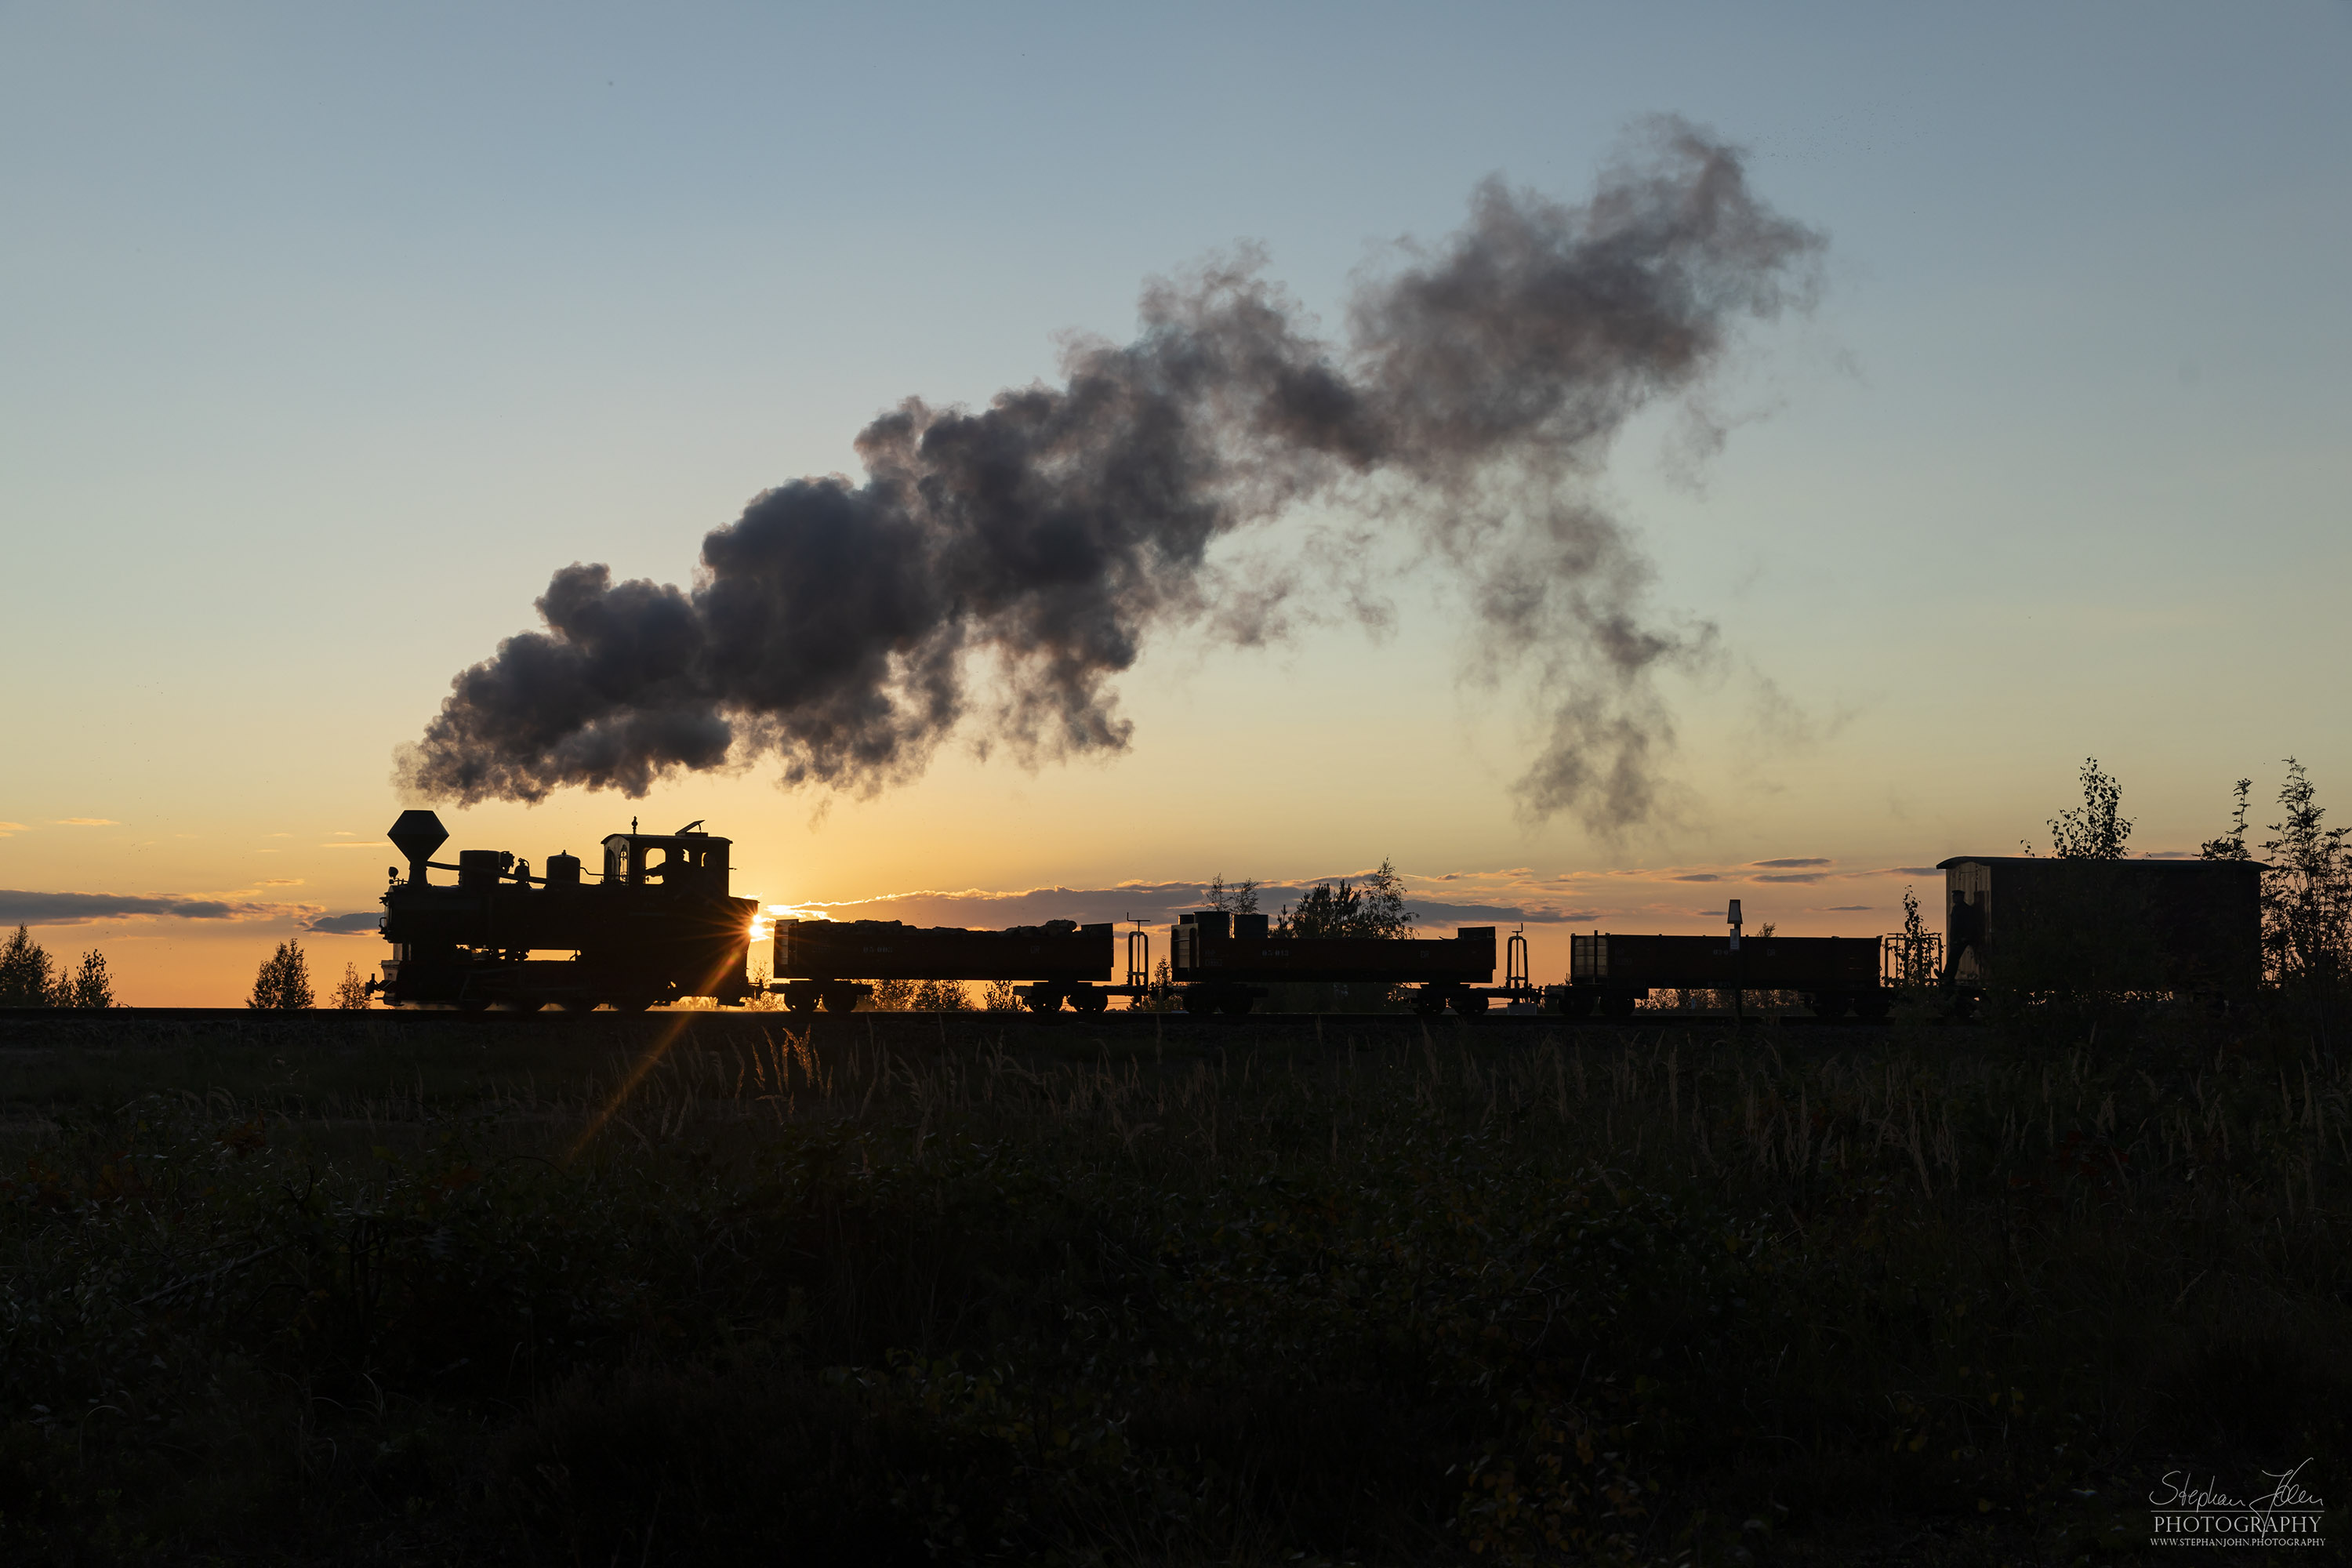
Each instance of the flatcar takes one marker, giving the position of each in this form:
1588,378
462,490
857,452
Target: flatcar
655,925
1221,963
831,963
1610,973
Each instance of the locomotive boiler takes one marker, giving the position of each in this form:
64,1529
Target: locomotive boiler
654,924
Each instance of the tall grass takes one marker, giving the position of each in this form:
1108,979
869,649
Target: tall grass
1434,1292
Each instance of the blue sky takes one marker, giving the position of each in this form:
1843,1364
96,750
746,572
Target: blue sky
327,333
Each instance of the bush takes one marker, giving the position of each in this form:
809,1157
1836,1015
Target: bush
350,991
283,982
92,985
939,996
25,973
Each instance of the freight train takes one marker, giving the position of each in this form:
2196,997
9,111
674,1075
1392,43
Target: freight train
658,924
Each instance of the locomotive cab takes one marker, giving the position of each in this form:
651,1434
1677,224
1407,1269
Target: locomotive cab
691,861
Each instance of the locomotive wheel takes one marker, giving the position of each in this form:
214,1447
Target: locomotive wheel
473,1003
578,1003
632,1004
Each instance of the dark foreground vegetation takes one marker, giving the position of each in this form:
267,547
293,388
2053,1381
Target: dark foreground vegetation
904,1290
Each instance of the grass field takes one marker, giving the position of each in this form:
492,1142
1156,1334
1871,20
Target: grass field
897,1288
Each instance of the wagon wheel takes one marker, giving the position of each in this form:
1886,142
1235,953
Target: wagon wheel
473,1002
1044,999
1469,1003
1831,1004
1235,1004
800,1001
838,999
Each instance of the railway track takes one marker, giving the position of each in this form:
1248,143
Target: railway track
17,1020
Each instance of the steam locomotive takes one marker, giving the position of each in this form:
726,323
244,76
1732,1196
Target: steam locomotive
658,925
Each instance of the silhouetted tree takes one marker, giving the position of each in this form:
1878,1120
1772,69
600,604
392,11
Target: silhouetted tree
1240,899
1161,995
1374,908
2231,845
350,991
999,997
2306,892
2095,830
283,982
25,973
1918,943
92,985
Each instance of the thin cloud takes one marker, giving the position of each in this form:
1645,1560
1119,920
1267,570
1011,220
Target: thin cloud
1849,909
10,829
1791,864
1698,876
360,844
87,821
1789,876
1911,871
24,907
279,883
364,922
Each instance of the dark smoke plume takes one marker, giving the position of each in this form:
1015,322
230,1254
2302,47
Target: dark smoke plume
835,624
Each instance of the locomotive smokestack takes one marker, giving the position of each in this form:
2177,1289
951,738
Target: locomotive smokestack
416,834
834,623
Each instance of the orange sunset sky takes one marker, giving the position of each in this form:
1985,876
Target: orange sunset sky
326,343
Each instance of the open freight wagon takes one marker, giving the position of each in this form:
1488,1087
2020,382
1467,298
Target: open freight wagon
1608,974
833,963
1222,963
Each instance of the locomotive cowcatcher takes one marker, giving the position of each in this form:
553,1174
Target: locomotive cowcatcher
655,926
